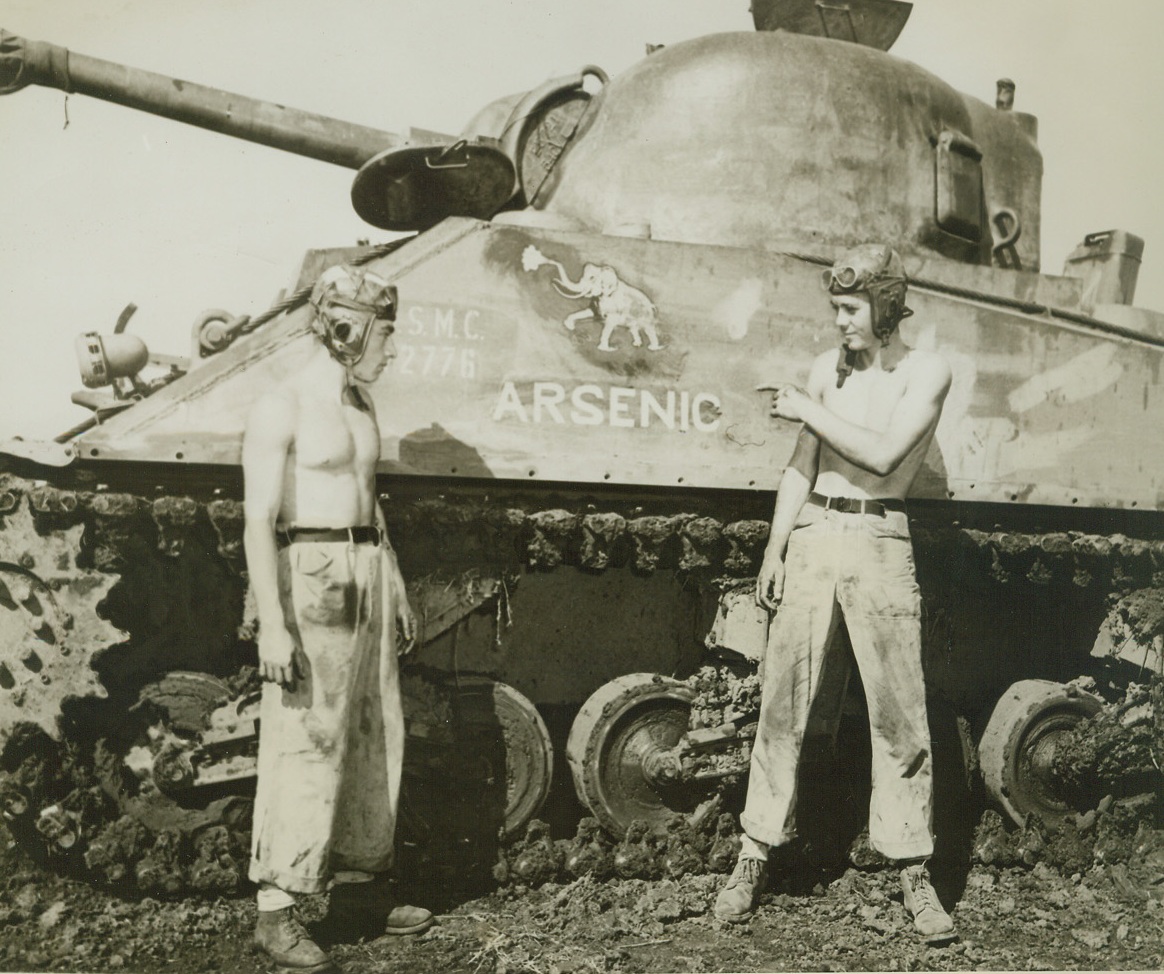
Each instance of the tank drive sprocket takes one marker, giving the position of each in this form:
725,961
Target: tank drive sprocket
50,627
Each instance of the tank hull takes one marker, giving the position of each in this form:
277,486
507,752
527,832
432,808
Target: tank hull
509,368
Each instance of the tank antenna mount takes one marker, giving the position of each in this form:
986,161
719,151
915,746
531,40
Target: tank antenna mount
1004,99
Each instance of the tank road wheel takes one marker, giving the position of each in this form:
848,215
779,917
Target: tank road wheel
478,760
618,749
1017,749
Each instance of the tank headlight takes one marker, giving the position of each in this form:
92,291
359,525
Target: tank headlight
103,359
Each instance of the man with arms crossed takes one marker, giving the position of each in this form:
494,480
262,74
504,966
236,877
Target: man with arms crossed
840,547
329,596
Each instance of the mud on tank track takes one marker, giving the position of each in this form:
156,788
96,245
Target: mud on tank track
137,583
1018,905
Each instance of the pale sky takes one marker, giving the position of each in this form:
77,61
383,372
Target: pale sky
120,206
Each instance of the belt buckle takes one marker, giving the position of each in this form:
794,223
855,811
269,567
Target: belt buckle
842,505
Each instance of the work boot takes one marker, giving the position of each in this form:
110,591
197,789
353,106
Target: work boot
737,900
373,909
288,944
929,917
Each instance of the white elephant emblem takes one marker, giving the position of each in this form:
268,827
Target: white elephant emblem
612,301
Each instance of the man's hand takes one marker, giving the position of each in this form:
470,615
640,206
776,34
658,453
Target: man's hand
787,401
279,657
406,627
770,583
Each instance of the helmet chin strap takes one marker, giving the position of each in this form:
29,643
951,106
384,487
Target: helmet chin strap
354,393
846,359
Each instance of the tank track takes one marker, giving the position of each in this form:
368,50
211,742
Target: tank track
107,590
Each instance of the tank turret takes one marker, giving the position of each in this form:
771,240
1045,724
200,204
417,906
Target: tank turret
761,141
773,139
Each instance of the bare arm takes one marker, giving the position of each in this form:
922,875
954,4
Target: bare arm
266,444
879,452
404,614
795,484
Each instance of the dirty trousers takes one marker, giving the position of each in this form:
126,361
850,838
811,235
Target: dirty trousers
859,566
330,750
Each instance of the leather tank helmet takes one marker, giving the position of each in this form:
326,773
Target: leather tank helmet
876,271
347,303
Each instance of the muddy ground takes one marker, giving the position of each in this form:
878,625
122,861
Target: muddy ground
1086,893
815,916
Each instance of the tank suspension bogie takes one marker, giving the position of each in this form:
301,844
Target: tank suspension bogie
479,755
1017,749
621,751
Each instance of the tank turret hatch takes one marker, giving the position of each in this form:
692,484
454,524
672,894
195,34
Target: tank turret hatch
874,23
415,187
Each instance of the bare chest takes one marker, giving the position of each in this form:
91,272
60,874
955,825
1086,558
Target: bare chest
868,398
338,439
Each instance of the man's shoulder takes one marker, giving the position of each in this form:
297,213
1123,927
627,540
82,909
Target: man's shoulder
927,357
824,363
928,366
276,407
285,396
827,357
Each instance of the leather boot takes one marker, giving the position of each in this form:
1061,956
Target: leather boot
738,899
373,909
288,944
930,918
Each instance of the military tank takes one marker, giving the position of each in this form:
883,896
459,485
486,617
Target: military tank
577,472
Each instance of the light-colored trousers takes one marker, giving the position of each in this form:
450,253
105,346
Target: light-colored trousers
858,566
331,749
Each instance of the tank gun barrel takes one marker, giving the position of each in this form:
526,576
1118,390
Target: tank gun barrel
25,62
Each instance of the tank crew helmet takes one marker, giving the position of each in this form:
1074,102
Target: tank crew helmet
875,270
347,303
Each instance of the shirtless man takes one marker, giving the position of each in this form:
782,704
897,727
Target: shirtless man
840,547
329,596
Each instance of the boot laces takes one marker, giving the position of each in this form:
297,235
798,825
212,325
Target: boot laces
748,870
292,928
925,897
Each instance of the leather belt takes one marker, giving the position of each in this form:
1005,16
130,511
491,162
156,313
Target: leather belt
856,505
362,534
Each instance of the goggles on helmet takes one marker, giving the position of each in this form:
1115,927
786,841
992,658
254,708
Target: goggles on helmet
875,270
347,306
842,278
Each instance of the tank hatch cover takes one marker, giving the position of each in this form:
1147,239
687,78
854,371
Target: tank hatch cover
874,23
415,187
